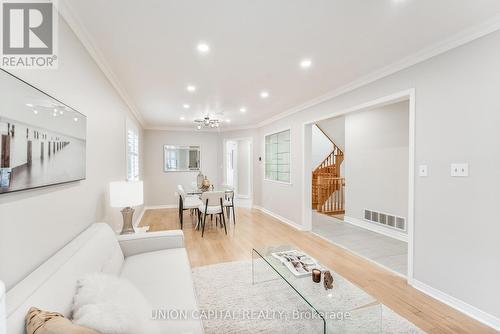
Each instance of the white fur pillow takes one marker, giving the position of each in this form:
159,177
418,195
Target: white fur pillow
111,305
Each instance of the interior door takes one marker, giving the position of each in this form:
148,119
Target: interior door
230,163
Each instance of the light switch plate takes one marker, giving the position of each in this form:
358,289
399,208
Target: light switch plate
422,170
459,169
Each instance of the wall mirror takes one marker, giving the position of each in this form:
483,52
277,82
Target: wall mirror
181,158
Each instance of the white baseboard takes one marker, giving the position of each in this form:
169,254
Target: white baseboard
280,218
389,232
458,304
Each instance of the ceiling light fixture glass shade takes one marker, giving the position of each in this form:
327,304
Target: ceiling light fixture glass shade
207,122
306,63
203,48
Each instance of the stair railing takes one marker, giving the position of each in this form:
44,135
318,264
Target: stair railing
327,185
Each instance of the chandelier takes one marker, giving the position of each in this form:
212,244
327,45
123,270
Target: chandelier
207,122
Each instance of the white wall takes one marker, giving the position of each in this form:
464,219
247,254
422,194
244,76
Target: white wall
35,224
160,186
376,160
335,129
244,167
457,234
321,147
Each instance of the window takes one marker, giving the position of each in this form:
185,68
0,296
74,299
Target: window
132,154
278,156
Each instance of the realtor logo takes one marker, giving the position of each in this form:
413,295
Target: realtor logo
28,34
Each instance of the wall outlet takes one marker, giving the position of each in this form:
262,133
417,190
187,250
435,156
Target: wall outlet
422,170
460,169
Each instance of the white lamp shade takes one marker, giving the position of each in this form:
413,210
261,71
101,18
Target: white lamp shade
3,317
126,193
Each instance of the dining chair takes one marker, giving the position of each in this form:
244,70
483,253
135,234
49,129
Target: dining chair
229,204
186,202
181,188
212,204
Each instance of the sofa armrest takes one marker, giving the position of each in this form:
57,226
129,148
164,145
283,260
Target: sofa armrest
132,244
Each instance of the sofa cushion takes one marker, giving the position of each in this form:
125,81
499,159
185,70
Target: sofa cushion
111,304
164,277
44,322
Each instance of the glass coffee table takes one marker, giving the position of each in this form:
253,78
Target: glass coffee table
345,308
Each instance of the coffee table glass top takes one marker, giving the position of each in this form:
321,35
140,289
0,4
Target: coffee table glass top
345,308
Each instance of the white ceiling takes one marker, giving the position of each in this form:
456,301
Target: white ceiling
150,47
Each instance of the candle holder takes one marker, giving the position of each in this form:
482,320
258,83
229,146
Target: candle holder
327,280
316,275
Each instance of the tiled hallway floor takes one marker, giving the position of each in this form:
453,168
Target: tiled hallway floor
389,252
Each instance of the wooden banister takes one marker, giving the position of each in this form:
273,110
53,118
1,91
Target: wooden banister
327,185
331,194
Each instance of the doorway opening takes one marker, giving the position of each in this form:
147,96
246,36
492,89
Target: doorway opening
238,172
358,173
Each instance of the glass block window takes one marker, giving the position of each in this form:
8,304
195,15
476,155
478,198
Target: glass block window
277,157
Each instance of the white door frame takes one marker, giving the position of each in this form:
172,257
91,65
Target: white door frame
306,168
235,164
224,167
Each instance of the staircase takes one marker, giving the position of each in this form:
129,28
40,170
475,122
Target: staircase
327,185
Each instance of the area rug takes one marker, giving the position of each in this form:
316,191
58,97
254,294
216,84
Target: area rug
232,303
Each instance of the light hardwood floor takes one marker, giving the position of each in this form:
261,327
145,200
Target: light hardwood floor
254,228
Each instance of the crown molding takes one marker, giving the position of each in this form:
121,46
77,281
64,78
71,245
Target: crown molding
183,128
459,39
67,12
180,129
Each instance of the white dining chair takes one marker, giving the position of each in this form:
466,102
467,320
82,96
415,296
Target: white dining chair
212,204
229,202
191,203
181,188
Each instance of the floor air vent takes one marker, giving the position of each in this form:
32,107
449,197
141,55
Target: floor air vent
385,219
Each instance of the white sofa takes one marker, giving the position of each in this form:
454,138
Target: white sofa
156,263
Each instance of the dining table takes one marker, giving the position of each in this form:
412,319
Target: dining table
199,191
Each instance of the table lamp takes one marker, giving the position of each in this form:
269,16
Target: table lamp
125,194
3,317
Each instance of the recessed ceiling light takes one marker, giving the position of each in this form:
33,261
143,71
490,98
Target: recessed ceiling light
75,119
264,94
191,88
35,112
29,105
182,118
305,63
186,106
55,110
61,112
203,48
228,121
243,109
